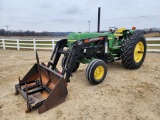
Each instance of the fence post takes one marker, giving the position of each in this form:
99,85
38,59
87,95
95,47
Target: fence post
53,44
3,43
18,44
34,43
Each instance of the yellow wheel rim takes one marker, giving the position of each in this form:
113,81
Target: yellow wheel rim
138,52
99,72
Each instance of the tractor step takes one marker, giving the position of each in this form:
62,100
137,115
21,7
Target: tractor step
114,54
116,47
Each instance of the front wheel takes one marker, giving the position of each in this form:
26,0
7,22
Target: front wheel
96,71
133,52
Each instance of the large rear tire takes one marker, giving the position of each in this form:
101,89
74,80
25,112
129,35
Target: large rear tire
133,52
96,71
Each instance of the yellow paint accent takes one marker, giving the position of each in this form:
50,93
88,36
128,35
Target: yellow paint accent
138,52
120,30
71,40
99,72
118,34
110,38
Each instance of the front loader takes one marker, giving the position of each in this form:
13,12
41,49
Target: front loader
45,87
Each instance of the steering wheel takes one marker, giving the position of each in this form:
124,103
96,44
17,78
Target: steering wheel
112,29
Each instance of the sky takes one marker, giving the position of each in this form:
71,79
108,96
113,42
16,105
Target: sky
74,15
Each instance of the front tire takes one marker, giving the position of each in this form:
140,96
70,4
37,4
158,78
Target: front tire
133,52
96,71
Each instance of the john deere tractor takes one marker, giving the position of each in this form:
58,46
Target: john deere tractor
44,86
98,49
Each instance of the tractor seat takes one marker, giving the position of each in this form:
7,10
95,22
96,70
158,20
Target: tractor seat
119,32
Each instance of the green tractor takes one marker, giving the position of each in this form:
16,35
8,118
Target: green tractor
45,87
98,49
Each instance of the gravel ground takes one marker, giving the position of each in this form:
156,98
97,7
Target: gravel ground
123,95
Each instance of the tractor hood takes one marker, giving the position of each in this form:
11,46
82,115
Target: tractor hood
79,36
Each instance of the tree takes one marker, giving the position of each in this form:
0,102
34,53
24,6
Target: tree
2,32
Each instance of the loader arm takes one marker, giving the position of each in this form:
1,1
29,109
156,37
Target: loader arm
76,53
72,58
57,53
82,49
71,61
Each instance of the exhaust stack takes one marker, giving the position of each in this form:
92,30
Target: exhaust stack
98,26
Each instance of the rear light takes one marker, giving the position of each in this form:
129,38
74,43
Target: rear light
133,28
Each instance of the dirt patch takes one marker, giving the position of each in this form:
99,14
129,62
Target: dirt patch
123,95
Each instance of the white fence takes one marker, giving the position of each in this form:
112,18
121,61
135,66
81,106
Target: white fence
49,44
27,44
155,45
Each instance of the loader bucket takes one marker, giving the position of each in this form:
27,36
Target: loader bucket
42,88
